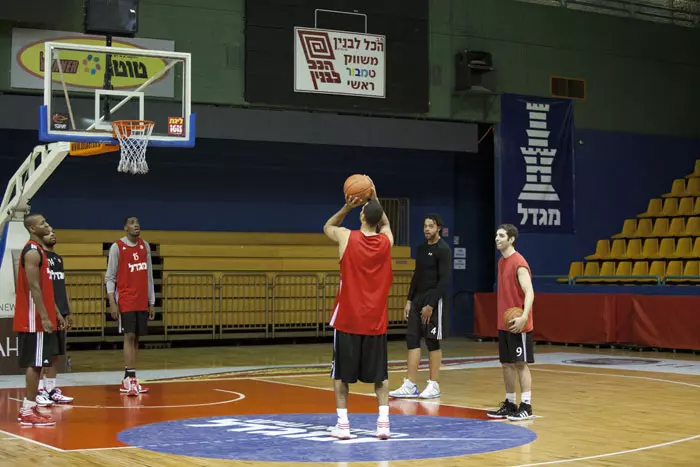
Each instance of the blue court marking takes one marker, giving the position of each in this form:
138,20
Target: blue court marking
304,438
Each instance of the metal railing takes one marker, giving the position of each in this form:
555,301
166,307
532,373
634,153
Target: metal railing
232,305
87,302
397,211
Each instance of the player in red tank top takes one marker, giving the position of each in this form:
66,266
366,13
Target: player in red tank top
515,345
360,312
35,317
129,280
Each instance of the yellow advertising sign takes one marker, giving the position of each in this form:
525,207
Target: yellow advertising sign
83,69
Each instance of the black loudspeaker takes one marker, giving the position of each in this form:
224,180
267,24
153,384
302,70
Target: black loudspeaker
470,68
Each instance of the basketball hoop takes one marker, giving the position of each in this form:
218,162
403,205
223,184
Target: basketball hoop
133,138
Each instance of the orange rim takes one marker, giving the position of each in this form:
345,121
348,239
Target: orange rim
127,126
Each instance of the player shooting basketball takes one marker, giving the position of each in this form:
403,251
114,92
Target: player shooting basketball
360,315
515,346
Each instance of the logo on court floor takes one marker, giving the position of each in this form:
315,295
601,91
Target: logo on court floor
297,437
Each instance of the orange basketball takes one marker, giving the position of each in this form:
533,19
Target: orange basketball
359,186
512,313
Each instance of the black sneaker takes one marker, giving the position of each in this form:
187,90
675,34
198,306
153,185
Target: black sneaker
524,412
506,409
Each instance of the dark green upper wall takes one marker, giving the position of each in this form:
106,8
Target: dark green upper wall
641,76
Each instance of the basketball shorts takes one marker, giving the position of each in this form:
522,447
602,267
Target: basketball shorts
134,322
37,349
416,329
357,357
515,348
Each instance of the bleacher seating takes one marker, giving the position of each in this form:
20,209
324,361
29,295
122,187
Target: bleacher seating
219,283
660,246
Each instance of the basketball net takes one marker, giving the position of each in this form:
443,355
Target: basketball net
133,136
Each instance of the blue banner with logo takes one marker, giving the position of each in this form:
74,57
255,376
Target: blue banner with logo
535,150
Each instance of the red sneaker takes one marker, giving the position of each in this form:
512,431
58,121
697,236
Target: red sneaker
34,418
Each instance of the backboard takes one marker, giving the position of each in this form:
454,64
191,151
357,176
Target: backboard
89,87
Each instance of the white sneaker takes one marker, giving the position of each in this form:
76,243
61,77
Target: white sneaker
57,397
341,431
408,389
431,391
383,431
43,399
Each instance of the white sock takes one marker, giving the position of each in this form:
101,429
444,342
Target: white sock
27,406
525,397
383,413
511,397
41,385
50,384
342,416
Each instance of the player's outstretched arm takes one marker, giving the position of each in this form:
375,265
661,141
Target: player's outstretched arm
384,226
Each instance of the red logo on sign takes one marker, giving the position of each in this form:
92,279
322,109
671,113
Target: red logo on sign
176,126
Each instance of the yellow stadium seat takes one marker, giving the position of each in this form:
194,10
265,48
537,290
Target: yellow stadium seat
696,172
692,270
660,228
674,268
677,227
696,209
692,228
670,207
696,249
624,268
590,271
575,270
602,251
628,229
666,250
634,249
693,188
619,250
654,209
639,268
644,228
685,207
677,189
651,248
658,269
684,248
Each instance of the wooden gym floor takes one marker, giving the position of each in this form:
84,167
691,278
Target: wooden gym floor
595,408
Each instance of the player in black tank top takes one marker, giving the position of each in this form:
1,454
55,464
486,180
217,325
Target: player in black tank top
48,391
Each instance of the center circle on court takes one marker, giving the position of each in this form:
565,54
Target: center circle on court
305,438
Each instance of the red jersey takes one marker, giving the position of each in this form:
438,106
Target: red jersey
365,280
132,277
510,294
27,317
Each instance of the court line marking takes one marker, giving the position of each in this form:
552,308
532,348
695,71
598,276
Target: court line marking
116,448
617,453
230,401
53,448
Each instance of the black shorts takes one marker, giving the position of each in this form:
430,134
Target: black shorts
134,322
515,348
60,342
357,357
416,329
37,349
